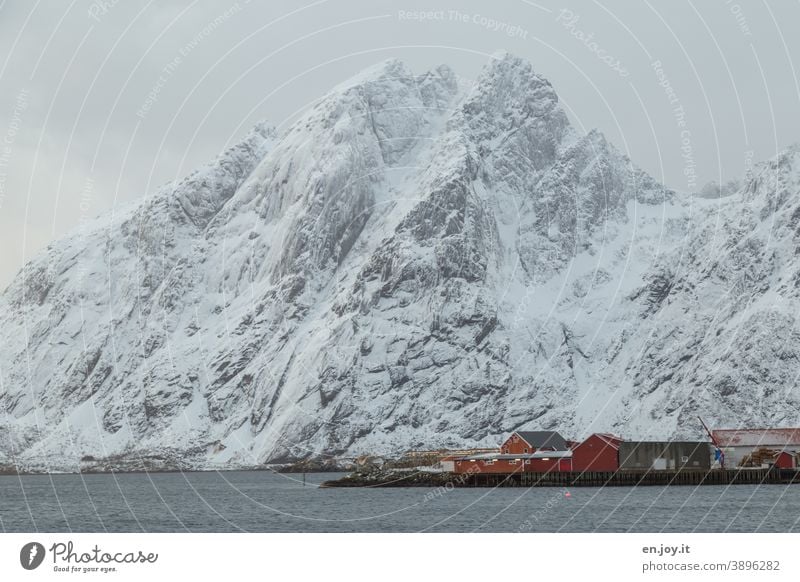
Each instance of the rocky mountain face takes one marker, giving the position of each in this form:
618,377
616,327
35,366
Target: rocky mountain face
412,264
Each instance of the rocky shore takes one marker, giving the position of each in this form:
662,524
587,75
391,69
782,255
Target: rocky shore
316,466
395,478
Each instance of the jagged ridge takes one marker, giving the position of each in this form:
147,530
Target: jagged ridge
412,263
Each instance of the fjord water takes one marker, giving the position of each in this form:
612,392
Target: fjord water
261,501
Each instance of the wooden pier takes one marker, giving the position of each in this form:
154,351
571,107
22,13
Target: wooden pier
633,478
625,478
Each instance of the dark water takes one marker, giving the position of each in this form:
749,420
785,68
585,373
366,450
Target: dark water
267,502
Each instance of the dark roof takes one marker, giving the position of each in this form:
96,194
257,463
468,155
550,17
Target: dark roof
540,439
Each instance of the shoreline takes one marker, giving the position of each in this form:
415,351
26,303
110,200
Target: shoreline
628,478
28,473
394,478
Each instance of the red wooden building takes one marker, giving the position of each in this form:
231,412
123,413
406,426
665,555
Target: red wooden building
785,460
539,462
530,441
599,452
523,451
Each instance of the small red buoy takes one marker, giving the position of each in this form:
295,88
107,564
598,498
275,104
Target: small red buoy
568,494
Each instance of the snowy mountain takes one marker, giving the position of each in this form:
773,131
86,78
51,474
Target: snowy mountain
413,263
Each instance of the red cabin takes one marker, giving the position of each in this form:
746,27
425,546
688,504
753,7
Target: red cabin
529,441
539,462
785,460
523,451
599,452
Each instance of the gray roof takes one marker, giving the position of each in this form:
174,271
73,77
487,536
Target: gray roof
540,439
503,457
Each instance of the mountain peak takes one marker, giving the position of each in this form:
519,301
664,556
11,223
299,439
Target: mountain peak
504,58
409,264
388,69
508,69
508,88
775,181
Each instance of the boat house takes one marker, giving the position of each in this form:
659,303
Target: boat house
598,452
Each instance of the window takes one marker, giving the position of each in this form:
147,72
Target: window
489,462
512,461
524,450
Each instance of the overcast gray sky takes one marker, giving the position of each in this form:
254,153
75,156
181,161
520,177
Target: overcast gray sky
101,102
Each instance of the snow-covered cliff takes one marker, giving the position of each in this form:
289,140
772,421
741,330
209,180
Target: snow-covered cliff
414,263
